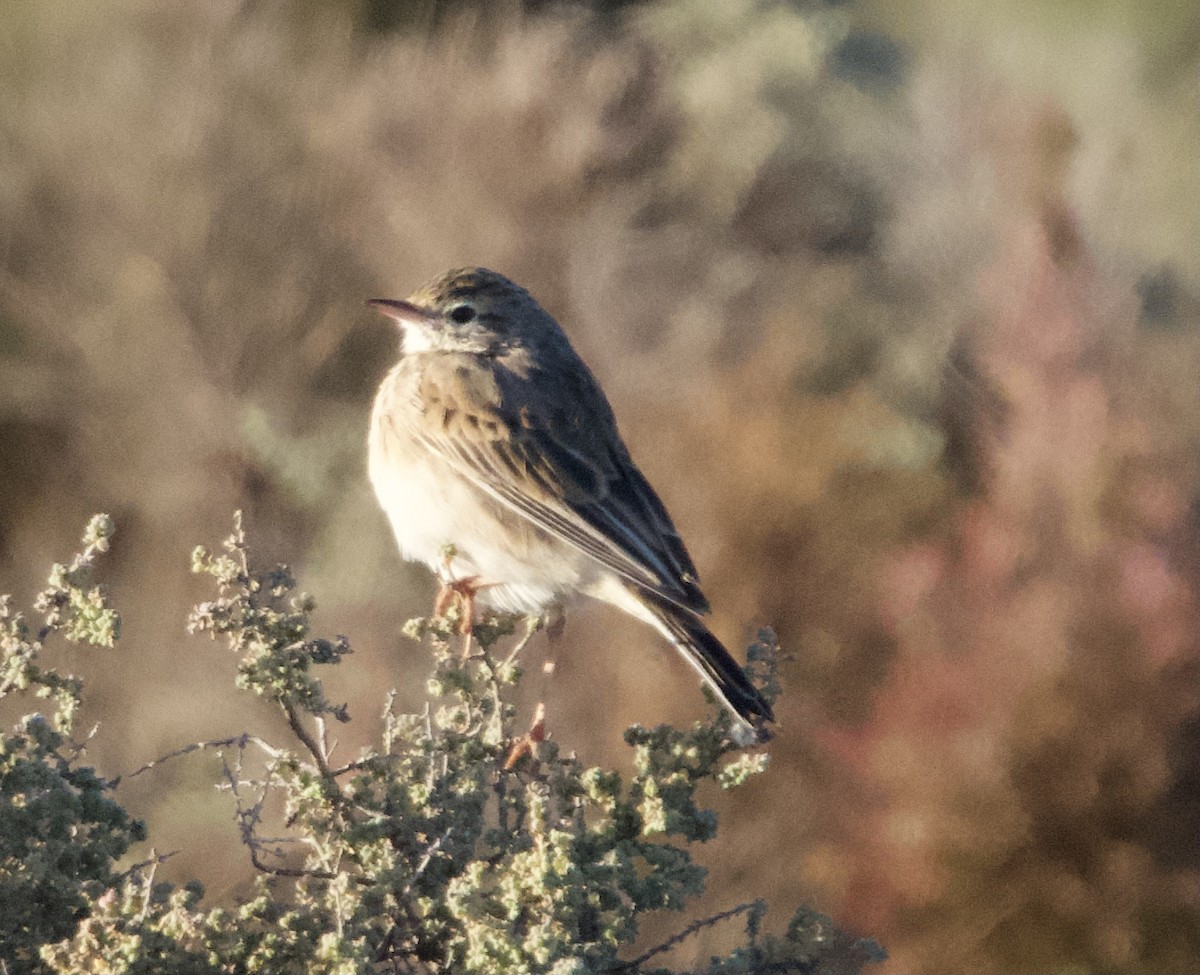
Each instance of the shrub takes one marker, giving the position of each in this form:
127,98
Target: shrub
456,844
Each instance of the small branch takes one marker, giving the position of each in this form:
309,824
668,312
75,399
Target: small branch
298,729
426,860
531,628
358,765
239,535
297,872
691,929
389,722
79,747
248,818
149,888
154,861
322,737
248,821
241,741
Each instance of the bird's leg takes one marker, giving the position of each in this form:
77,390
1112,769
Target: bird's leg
445,577
553,621
457,592
527,742
460,593
444,598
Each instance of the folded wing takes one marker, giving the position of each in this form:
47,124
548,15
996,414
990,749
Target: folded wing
558,461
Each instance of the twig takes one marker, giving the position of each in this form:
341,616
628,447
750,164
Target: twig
248,818
322,738
360,764
691,929
79,747
293,720
298,872
239,536
240,741
531,627
154,861
149,887
426,860
251,783
389,722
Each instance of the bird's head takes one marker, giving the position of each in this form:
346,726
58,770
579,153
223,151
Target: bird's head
470,310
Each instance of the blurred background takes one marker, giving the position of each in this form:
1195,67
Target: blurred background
898,305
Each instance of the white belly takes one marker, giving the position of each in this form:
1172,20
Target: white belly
430,507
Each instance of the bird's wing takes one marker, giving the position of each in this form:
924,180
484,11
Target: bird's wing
557,459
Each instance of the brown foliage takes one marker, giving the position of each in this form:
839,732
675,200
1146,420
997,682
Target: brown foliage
914,366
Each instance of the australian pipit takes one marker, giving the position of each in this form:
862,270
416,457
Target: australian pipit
491,440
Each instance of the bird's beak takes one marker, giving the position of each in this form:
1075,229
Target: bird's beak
404,312
418,325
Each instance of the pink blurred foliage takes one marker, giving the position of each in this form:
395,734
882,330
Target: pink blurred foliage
1046,646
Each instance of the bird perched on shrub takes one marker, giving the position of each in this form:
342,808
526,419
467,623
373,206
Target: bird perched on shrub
497,459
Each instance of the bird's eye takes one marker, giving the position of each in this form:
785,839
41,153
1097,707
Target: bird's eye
462,314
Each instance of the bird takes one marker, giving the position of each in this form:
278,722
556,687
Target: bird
496,457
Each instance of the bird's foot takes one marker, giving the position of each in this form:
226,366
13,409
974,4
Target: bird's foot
529,741
460,593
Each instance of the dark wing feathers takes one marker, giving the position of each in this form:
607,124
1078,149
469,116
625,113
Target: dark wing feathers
634,499
719,670
560,464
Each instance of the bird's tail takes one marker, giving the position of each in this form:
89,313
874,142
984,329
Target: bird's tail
712,661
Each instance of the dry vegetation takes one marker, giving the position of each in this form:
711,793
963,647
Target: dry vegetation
904,323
